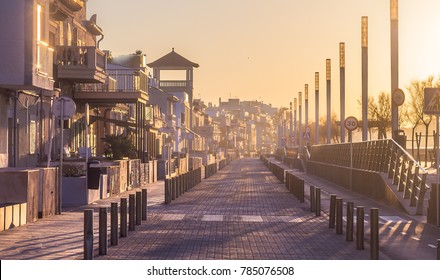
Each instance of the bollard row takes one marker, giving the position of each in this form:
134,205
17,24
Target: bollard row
295,185
177,185
210,170
137,211
336,221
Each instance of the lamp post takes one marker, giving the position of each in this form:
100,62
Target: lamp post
317,107
294,120
291,126
394,16
328,77
306,105
364,43
300,121
342,88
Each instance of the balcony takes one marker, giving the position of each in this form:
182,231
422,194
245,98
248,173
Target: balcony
171,86
121,86
74,5
81,64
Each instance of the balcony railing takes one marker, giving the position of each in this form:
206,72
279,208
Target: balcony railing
44,60
173,84
129,80
81,63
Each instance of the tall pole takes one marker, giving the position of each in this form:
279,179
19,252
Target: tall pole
294,120
328,76
394,15
364,78
300,121
317,107
342,87
291,126
306,105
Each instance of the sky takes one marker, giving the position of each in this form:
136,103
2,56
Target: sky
268,50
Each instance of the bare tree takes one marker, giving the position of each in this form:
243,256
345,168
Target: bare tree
416,90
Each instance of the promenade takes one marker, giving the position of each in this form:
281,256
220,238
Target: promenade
241,213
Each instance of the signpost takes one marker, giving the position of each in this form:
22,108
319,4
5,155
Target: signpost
432,107
63,108
351,123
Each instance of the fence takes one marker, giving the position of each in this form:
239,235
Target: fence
384,156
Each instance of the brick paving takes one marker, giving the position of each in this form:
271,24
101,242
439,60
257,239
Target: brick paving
243,212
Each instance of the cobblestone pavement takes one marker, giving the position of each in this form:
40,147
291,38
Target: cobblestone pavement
243,212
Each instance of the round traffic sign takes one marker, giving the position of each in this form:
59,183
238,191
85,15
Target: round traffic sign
69,107
398,97
351,123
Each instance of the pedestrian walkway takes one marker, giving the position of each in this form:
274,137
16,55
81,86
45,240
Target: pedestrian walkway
243,212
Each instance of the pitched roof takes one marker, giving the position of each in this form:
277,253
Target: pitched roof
172,59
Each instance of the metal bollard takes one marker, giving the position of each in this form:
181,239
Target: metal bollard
138,208
144,204
103,244
331,222
88,234
301,190
114,238
123,217
173,188
318,201
374,234
167,191
360,228
131,212
312,198
339,216
349,229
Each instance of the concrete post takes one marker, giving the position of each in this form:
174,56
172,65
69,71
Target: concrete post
103,231
312,199
131,212
349,229
374,234
332,217
318,201
114,238
339,216
123,217
144,204
88,234
360,227
138,208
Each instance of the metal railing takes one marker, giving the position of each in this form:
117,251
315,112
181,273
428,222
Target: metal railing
381,156
81,57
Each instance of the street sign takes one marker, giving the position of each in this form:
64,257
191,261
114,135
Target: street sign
398,97
308,129
351,123
69,108
432,101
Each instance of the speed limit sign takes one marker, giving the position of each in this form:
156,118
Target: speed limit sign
351,123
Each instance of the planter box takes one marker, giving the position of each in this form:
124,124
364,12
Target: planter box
75,192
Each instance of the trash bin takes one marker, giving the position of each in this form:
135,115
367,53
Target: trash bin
93,174
400,137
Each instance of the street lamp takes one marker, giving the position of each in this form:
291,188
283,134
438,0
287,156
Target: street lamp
364,43
328,77
342,88
300,121
394,16
317,107
295,105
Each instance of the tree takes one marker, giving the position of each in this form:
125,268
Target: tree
334,129
416,90
119,146
380,113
